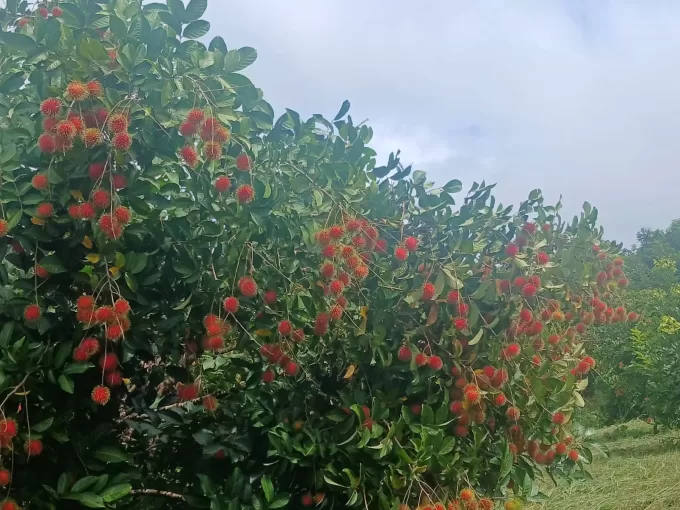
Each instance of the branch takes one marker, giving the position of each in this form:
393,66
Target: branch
156,492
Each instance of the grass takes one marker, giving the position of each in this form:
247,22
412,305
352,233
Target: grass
642,473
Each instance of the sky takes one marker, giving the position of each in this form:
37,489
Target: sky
580,98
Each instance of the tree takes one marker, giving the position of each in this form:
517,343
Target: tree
204,306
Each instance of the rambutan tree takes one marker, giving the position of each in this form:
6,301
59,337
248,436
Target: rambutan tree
204,306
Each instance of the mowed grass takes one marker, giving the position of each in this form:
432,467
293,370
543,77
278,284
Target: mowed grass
642,473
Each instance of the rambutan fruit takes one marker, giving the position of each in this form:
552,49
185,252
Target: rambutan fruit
113,379
122,214
245,194
573,455
460,324
500,400
285,328
212,151
243,163
511,250
435,363
247,286
231,304
195,116
361,271
558,418
321,324
94,88
108,362
210,403
411,244
100,395
467,495
335,312
421,359
50,107
327,270
472,394
77,91
33,447
428,291
291,369
222,184
268,376
186,392
91,137
8,428
90,345
528,290
122,141
400,253
118,123
404,353
114,332
542,258
189,155
46,143
96,170
86,211
513,413
5,477
40,182
32,313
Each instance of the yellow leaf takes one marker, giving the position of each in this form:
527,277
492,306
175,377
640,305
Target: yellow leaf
263,332
37,221
22,393
364,312
92,258
432,316
114,271
350,371
87,242
77,194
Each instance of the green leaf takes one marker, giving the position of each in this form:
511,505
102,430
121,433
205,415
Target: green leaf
196,29
77,368
52,264
66,383
477,337
343,110
86,499
268,488
453,186
13,82
195,10
6,333
280,501
111,454
115,492
84,483
18,41
43,425
62,484
247,56
131,282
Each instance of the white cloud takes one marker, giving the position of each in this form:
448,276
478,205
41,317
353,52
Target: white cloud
578,98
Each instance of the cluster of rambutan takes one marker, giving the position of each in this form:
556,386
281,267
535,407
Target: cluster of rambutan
275,355
43,11
613,276
211,132
188,391
421,359
61,131
467,500
309,499
115,318
217,329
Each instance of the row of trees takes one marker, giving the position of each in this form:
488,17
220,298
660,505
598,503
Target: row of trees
639,365
204,305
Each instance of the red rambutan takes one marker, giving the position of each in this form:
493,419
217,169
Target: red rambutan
100,395
245,194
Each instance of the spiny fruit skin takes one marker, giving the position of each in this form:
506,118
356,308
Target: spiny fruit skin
186,392
558,418
337,287
210,403
100,395
188,129
46,143
101,199
467,495
421,359
9,504
285,328
247,286
243,163
113,379
92,137
50,107
34,447
528,290
411,244
32,313
511,250
231,304
460,324
404,353
90,346
472,394
245,194
96,170
435,363
453,297
335,312
77,91
189,155
94,88
291,369
361,271
122,141
114,332
400,253
212,151
268,376
5,477
40,182
108,362
428,291
573,455
122,214
195,116
65,129
44,210
513,414
222,184
118,123
298,335
500,400
119,181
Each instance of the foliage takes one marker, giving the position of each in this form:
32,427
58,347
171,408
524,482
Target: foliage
639,364
378,346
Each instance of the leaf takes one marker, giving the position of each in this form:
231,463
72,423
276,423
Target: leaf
434,313
66,383
263,332
196,29
13,82
343,110
6,333
43,425
18,41
350,371
453,186
131,282
115,492
280,501
184,303
268,488
52,264
111,454
247,56
77,368
86,499
84,483
92,258
477,337
87,243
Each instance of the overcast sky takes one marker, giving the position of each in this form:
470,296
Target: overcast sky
576,97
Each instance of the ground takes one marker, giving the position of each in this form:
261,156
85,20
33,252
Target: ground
642,473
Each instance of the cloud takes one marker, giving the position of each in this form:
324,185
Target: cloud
578,98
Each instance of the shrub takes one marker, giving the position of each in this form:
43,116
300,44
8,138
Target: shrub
190,340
